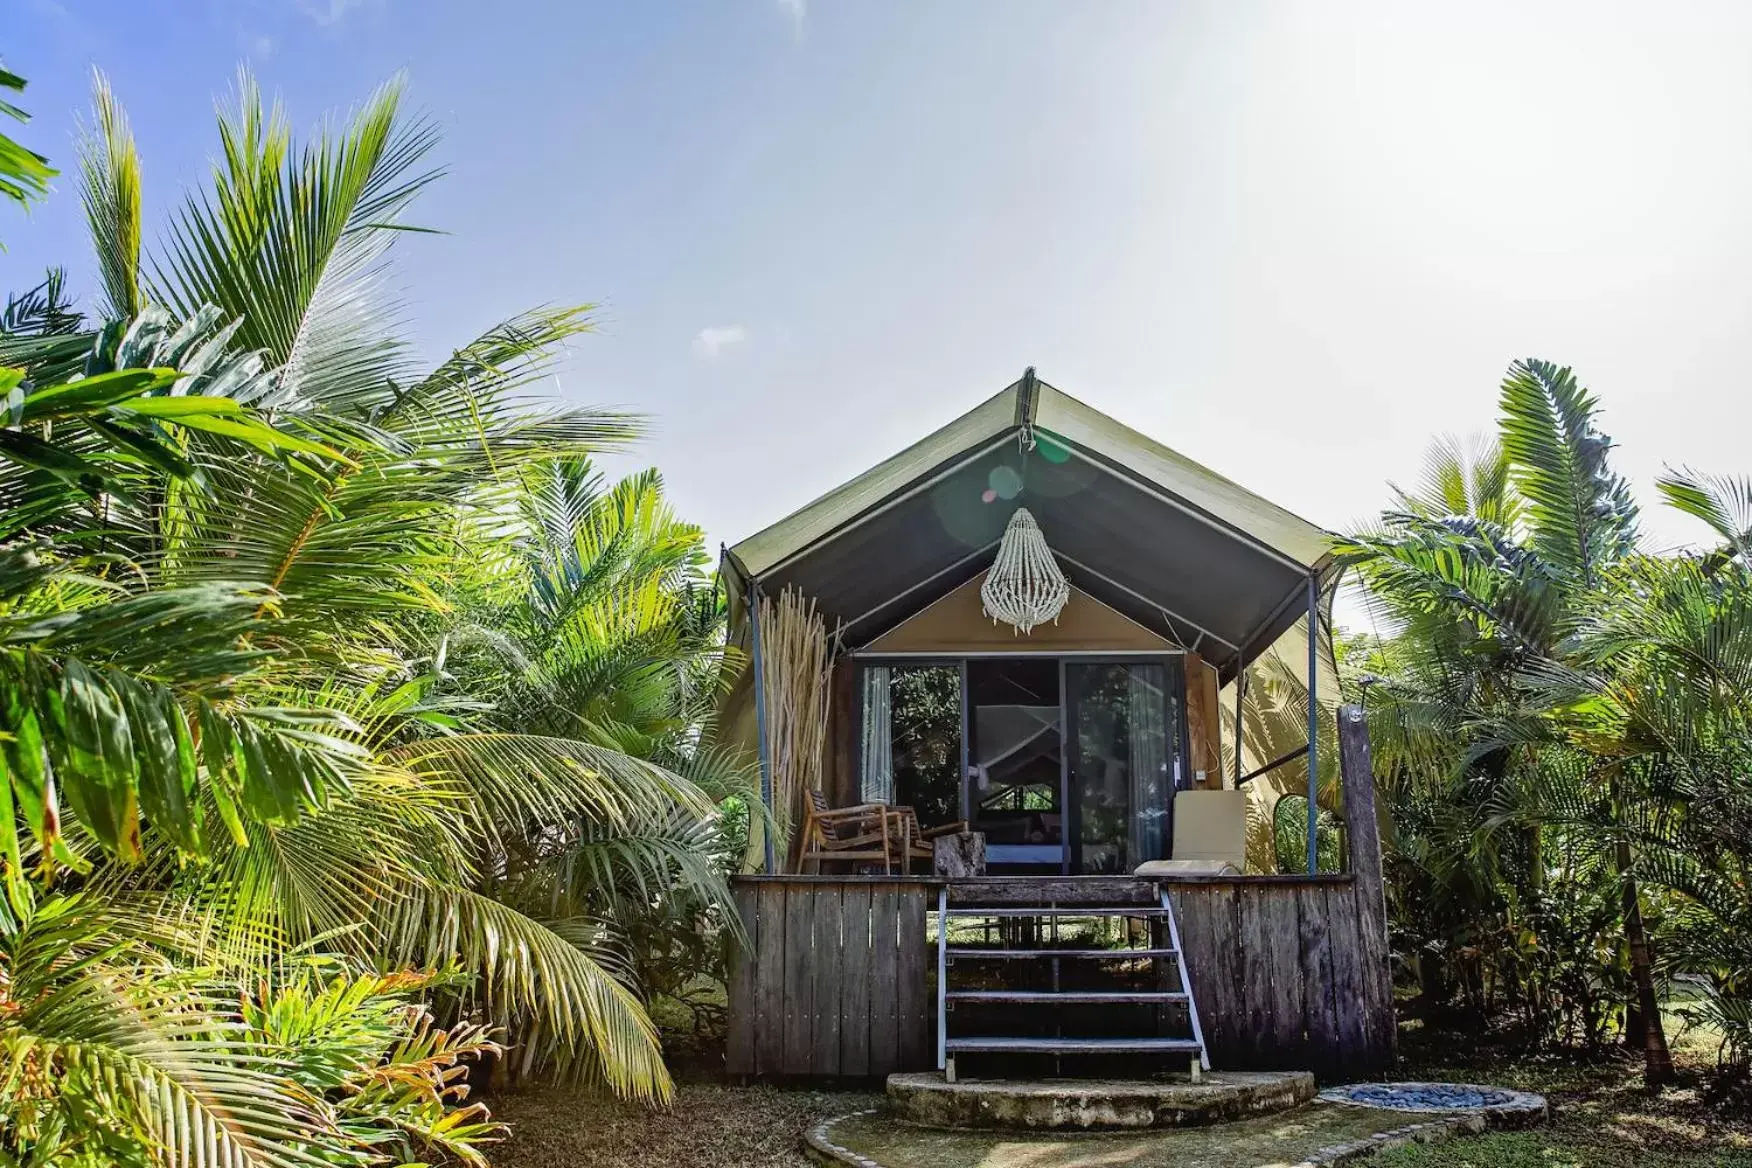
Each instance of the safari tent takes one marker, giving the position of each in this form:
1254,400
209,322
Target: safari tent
989,682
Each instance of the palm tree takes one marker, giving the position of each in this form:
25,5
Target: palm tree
613,628
1489,576
598,620
1663,684
366,805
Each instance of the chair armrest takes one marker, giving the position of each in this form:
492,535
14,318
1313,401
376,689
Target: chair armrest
862,811
957,828
874,837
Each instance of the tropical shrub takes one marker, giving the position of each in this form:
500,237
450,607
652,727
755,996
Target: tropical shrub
1559,718
116,1052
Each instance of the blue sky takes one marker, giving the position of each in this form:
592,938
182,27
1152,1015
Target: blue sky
1292,241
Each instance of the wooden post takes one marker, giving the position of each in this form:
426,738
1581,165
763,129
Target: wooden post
763,751
960,855
1204,725
1357,776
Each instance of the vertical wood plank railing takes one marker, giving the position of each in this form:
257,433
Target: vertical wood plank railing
836,984
1280,974
833,983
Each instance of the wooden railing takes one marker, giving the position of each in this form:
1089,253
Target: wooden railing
1279,973
834,981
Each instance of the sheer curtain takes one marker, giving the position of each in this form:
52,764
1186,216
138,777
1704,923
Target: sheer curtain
876,784
1147,734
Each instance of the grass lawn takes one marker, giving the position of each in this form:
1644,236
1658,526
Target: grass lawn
1602,1118
1601,1115
710,1126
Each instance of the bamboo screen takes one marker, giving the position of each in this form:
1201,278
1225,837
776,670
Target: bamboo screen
796,657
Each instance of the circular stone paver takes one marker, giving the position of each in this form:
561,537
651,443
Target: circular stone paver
1316,1135
1499,1105
1092,1104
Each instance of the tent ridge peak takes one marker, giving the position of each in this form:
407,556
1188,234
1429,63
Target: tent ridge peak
1164,540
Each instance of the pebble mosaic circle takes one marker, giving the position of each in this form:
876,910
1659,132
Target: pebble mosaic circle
1449,1098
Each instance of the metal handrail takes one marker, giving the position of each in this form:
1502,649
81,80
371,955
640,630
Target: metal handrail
942,977
1204,1055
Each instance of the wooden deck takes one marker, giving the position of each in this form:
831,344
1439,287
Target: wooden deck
1290,972
840,986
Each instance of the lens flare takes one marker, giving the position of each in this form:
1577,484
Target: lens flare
1006,481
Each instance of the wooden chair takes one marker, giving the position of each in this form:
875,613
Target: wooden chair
848,835
915,844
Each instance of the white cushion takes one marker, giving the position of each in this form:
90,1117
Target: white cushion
1186,868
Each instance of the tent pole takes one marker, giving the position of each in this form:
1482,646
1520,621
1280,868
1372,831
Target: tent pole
1313,720
760,719
1240,696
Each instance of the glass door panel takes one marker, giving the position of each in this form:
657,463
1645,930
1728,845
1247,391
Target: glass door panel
911,739
1124,725
1015,772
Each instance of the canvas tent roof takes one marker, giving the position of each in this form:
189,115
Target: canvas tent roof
1145,530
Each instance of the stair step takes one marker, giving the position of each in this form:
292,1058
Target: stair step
1072,1045
1069,997
1095,954
1062,910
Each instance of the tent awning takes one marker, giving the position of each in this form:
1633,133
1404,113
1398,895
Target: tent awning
1168,542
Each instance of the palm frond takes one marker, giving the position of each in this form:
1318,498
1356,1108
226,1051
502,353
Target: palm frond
105,706
526,779
24,174
369,537
152,1047
1723,502
37,316
560,1001
1581,512
293,244
109,167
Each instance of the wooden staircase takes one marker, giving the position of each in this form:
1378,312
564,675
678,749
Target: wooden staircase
1035,947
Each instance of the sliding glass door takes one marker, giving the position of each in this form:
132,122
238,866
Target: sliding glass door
1124,730
1015,772
1065,764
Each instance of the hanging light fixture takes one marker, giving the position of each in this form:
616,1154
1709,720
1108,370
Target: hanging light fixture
1025,587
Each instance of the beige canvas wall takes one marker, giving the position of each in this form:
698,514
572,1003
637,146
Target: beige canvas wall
957,624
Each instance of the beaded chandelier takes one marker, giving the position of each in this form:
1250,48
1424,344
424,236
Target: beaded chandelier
1025,587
